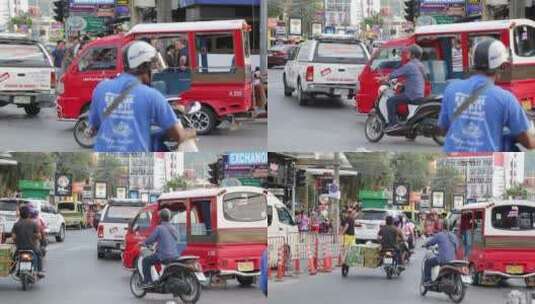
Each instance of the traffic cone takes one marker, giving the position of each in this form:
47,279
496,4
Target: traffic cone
328,260
280,264
311,266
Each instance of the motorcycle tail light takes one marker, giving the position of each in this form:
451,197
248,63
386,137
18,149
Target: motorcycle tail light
464,270
309,76
100,231
26,257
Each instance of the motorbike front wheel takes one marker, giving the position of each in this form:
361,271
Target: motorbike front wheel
460,290
195,289
25,281
80,132
389,273
135,285
423,289
374,128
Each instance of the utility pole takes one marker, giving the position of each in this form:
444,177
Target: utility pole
263,35
337,183
163,11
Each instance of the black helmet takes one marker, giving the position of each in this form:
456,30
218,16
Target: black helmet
489,54
165,215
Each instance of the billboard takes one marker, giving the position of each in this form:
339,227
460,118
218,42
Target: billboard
63,184
101,190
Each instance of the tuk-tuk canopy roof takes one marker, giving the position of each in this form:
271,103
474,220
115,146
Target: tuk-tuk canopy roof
208,192
472,26
494,203
202,26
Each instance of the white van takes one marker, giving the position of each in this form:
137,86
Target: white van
281,223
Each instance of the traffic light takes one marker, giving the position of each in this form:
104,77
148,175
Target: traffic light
411,10
216,171
61,10
300,178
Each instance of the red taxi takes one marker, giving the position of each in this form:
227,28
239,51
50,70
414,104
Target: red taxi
208,61
225,227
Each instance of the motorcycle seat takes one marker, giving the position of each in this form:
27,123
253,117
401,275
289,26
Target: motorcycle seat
179,259
430,98
457,262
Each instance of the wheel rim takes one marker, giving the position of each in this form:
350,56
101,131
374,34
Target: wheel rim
135,285
374,129
82,133
194,289
200,121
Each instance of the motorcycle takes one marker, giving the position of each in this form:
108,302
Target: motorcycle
418,119
181,277
25,269
390,265
85,137
451,278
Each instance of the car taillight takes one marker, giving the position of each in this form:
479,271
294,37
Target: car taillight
100,231
52,80
309,76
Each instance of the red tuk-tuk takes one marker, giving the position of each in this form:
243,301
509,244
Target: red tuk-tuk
438,41
498,239
208,62
225,227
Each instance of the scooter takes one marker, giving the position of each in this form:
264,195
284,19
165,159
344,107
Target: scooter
25,269
417,120
390,265
451,278
83,133
182,278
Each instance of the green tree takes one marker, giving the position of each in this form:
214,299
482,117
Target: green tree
307,10
516,192
34,165
413,168
374,169
79,164
110,170
177,183
447,179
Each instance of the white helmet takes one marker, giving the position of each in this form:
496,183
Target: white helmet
138,53
489,54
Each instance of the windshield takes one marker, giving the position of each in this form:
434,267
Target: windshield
387,58
244,207
340,52
22,55
513,217
66,206
6,205
372,215
121,213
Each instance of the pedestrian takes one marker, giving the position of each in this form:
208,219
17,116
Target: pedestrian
303,222
58,54
348,231
457,60
477,115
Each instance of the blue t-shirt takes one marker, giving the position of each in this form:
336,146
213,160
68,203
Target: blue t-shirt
480,128
128,128
414,73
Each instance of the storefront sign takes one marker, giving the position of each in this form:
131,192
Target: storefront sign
93,2
101,190
247,158
458,201
473,8
63,185
120,192
443,7
317,29
106,11
401,194
95,24
438,199
295,26
133,194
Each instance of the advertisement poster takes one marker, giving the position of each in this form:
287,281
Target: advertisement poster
401,194
63,185
101,190
458,201
438,199
295,26
120,192
473,8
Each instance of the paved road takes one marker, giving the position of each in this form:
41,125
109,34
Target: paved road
45,133
74,275
326,125
371,286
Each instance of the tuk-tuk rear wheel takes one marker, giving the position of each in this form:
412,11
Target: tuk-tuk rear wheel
245,281
204,121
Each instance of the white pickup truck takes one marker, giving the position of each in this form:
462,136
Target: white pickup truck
27,75
327,65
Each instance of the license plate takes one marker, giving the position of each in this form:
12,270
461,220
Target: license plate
22,99
246,266
388,261
466,279
200,276
25,266
514,269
